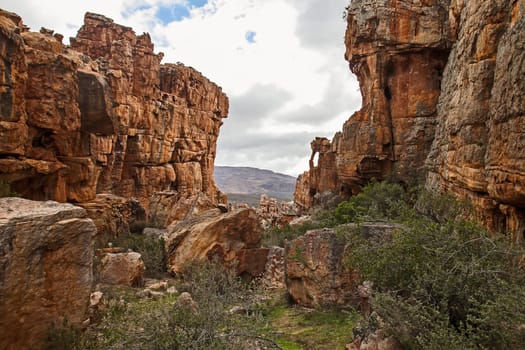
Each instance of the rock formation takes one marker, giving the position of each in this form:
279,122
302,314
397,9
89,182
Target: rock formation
122,268
216,235
103,116
398,50
275,213
462,124
315,271
478,150
46,269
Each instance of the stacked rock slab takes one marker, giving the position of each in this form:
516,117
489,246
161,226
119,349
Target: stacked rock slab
398,50
103,116
478,151
46,269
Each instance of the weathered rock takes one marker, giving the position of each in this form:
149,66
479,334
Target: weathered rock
113,216
301,220
212,235
122,269
275,213
251,263
103,116
273,276
315,267
478,149
168,207
398,50
46,269
156,233
316,274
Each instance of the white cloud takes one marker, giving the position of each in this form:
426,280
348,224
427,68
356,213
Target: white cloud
290,81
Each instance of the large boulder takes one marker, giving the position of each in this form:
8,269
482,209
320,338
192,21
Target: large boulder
46,269
315,267
316,274
212,235
122,269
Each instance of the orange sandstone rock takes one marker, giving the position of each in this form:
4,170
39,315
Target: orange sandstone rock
103,116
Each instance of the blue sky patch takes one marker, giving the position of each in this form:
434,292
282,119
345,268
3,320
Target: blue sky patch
197,3
177,12
172,13
250,36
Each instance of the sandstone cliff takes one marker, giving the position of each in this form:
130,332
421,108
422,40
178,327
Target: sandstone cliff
462,124
479,146
103,116
398,50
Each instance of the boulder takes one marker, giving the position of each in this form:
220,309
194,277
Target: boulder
212,235
316,270
316,274
122,269
46,269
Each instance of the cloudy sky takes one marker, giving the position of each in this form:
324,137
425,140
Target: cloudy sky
280,62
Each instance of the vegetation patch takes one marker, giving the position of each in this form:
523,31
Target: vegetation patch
151,249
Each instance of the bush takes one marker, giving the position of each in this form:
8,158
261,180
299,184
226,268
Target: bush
6,191
151,249
444,282
276,236
377,201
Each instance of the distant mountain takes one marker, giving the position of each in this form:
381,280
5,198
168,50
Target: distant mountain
253,181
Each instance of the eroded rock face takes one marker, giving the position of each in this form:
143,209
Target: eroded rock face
46,269
103,116
214,235
398,50
113,216
315,271
478,149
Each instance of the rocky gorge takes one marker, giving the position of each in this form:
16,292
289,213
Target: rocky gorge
130,143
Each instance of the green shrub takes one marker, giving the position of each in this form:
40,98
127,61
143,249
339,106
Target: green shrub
445,284
276,236
151,250
377,201
6,190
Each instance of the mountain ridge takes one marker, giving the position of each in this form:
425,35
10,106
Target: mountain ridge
254,181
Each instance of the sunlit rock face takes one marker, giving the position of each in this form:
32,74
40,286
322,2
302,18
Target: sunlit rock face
103,116
443,99
478,150
398,50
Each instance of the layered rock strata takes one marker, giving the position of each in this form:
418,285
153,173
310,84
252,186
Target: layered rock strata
103,116
398,50
46,269
478,150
